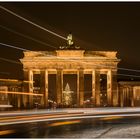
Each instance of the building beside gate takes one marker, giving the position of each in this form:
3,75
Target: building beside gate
12,86
129,93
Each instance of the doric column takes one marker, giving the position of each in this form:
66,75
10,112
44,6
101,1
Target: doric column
80,87
59,86
26,84
97,88
18,101
21,101
44,86
114,88
30,81
112,94
121,96
109,88
24,100
93,87
128,96
132,96
25,89
124,96
30,88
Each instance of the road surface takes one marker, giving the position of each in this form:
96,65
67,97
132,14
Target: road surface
88,123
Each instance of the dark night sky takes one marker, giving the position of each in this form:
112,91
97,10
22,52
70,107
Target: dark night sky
95,26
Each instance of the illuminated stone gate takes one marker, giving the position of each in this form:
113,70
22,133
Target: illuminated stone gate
70,59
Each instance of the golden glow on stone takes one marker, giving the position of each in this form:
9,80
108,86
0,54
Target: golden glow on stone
72,62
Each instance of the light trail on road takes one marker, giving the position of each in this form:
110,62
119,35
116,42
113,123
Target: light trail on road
21,93
5,132
15,80
67,115
34,118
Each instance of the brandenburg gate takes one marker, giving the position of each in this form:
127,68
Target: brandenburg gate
70,59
